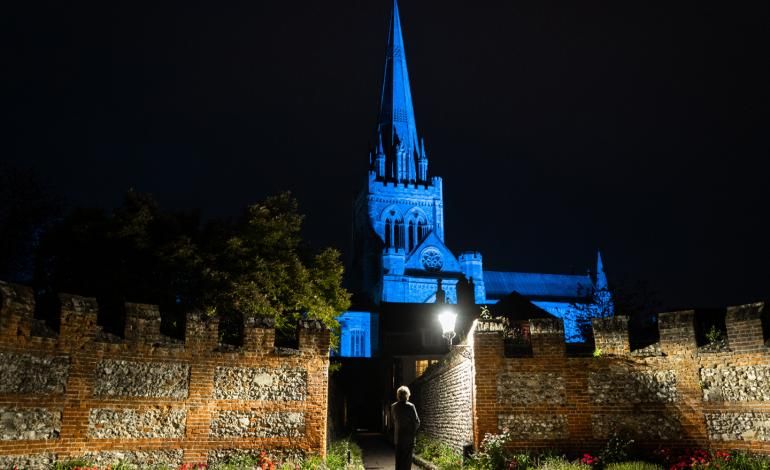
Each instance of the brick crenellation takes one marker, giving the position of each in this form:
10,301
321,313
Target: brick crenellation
674,393
148,399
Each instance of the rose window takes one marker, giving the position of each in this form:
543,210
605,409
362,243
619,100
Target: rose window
432,260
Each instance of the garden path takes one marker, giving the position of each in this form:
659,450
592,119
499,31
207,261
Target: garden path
378,453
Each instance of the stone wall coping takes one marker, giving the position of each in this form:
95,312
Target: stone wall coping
546,326
745,312
677,329
78,317
677,319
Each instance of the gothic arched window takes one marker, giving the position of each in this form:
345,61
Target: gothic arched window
393,234
417,228
398,234
357,343
388,233
422,230
412,235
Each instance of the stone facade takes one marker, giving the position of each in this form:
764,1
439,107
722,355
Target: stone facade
649,426
747,426
136,424
141,379
240,383
673,394
141,458
42,461
29,424
147,399
746,383
517,388
443,396
254,423
27,373
534,427
630,385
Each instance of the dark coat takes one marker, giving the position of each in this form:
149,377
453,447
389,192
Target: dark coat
405,422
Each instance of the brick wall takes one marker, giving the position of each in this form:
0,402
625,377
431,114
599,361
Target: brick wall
147,398
671,394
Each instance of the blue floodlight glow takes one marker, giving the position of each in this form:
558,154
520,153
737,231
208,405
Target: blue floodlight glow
399,251
356,336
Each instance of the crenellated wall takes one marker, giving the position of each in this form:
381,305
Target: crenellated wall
147,398
671,394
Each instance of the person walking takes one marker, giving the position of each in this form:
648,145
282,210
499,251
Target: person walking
405,424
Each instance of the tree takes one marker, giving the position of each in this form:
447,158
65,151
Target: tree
255,266
633,299
136,253
26,209
261,269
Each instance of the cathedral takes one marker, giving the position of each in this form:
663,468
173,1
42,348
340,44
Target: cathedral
399,254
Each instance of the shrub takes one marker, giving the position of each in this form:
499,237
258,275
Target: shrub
313,462
438,453
616,449
492,454
80,464
561,463
739,461
337,457
637,465
241,462
523,461
714,335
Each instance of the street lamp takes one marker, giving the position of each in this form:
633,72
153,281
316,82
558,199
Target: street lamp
447,319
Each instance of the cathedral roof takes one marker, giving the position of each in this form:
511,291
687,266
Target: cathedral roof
535,285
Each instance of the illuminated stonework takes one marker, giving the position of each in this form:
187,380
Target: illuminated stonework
431,259
399,253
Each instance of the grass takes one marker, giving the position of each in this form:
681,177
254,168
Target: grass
438,453
638,465
336,459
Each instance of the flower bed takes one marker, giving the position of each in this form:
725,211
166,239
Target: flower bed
617,454
336,459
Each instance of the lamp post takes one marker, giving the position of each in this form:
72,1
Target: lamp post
447,319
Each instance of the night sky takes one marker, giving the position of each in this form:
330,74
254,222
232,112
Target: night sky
559,128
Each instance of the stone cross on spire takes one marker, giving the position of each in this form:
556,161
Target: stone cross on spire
396,124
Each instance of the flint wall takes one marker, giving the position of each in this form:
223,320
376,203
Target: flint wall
673,394
146,398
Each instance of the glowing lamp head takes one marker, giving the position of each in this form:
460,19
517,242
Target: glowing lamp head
447,319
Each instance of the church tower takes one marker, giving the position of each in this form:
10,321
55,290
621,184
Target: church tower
398,232
399,252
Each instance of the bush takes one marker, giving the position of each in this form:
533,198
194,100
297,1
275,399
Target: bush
337,457
492,454
73,464
616,449
243,462
561,463
438,453
638,465
739,461
522,461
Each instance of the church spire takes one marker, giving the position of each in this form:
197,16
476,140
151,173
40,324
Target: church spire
396,126
601,277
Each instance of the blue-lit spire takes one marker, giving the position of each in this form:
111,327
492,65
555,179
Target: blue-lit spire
601,277
396,127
